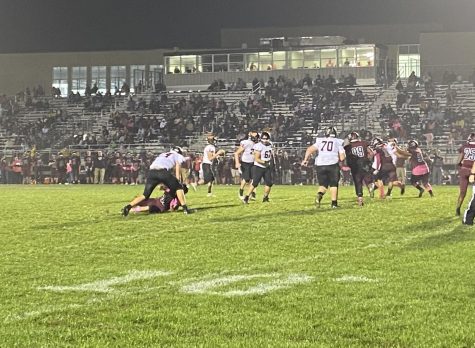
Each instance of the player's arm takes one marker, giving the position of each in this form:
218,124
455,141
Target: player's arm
402,153
177,170
310,151
237,154
213,155
460,159
257,158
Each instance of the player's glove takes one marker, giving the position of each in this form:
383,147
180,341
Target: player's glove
376,172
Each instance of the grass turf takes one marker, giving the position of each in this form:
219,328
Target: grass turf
397,272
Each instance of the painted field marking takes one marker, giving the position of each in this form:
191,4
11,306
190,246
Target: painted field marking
104,286
208,286
355,279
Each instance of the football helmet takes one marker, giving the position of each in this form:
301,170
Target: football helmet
412,144
471,138
265,138
177,149
377,142
353,136
212,139
331,132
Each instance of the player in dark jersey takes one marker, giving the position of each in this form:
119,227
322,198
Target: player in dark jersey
167,202
357,157
419,167
465,161
384,168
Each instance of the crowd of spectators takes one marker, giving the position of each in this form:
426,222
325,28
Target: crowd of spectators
419,113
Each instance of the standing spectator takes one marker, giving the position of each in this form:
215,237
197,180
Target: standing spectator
99,168
61,168
16,170
75,164
285,167
437,165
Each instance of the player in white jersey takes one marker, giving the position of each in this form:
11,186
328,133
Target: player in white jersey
330,153
209,155
263,157
159,173
244,160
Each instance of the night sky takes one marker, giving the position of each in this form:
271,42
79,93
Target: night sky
83,25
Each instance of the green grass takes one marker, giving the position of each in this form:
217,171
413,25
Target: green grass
397,273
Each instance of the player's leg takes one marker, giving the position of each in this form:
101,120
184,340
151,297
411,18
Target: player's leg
323,182
426,184
469,214
257,175
153,179
358,179
269,182
463,185
415,182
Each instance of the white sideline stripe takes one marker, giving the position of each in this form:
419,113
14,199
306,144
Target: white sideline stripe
207,286
355,279
104,285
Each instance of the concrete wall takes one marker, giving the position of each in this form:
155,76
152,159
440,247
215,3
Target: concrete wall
17,71
448,51
379,34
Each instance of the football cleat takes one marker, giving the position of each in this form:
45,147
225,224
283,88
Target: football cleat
360,201
403,189
253,196
265,199
126,210
457,211
421,192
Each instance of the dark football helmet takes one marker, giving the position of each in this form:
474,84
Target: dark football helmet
471,138
412,144
212,139
331,132
377,142
265,138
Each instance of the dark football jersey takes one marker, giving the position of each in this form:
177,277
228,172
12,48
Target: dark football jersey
468,151
357,152
417,158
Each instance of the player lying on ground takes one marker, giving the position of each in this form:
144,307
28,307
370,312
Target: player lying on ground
160,173
165,203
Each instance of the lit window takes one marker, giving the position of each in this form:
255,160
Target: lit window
60,79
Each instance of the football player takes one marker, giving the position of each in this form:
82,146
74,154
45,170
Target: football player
209,155
159,173
358,154
420,169
244,160
469,214
263,156
330,153
465,161
167,202
383,163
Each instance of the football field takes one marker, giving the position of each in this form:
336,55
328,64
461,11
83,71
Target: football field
396,273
